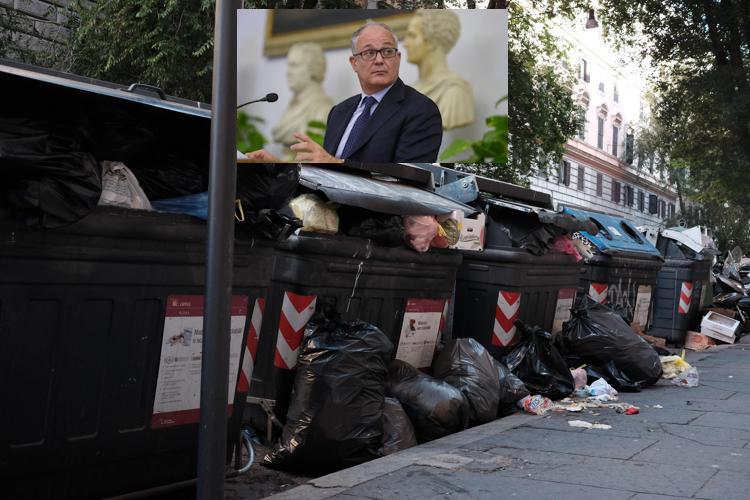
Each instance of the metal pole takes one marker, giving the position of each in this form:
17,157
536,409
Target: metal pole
212,437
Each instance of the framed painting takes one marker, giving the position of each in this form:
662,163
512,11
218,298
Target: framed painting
332,29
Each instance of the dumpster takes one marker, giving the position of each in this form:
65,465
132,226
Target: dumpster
401,291
517,275
101,316
622,271
680,283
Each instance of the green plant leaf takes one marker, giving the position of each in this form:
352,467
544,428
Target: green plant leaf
455,148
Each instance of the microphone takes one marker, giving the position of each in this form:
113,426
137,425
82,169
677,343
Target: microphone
268,98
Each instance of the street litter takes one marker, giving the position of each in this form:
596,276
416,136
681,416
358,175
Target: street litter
588,425
657,406
535,405
679,371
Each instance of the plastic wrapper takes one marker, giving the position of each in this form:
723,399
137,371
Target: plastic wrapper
536,361
434,407
535,405
579,377
564,244
316,215
511,390
449,230
398,433
335,417
47,177
466,365
419,231
599,337
120,188
600,387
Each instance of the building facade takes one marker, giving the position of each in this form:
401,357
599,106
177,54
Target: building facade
600,169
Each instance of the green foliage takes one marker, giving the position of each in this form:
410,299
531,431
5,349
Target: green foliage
543,113
167,43
492,147
316,130
249,137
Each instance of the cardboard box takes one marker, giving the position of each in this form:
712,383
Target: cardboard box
695,341
719,327
729,313
472,234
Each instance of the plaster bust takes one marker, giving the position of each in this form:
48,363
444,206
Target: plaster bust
306,68
430,36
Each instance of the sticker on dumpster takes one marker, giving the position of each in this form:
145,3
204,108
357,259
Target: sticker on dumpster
178,386
565,298
642,304
419,331
507,311
686,293
251,346
296,311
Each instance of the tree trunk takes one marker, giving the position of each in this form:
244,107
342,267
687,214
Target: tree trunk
471,4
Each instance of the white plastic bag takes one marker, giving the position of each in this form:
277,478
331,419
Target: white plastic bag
120,188
316,215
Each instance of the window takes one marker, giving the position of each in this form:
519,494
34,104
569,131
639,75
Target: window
581,177
629,196
653,204
599,184
615,94
582,130
651,163
564,173
615,132
671,210
616,191
629,149
601,87
584,71
662,208
641,200
600,133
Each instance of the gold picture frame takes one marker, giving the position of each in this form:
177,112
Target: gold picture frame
332,29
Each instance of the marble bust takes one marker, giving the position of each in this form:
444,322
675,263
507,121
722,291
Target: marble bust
430,36
306,68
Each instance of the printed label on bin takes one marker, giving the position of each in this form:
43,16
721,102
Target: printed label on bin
178,386
565,298
642,304
419,331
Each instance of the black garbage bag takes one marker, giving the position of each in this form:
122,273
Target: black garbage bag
535,360
625,313
335,417
270,224
512,389
435,407
387,231
163,175
466,365
267,185
398,433
599,337
46,177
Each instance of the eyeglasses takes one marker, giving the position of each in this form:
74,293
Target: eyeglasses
371,54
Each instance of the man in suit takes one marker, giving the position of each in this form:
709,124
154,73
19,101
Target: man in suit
388,123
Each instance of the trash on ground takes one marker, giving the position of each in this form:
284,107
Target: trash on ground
598,336
466,365
588,425
536,404
600,387
536,361
657,406
696,341
398,433
512,389
434,407
336,410
579,378
719,327
687,378
317,215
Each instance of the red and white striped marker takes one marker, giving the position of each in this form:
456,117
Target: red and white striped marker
686,293
598,292
506,313
251,346
296,311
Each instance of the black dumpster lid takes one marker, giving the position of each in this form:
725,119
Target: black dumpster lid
136,93
559,219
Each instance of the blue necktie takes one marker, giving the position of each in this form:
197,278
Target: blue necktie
358,127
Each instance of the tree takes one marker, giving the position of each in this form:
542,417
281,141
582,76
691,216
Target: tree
542,110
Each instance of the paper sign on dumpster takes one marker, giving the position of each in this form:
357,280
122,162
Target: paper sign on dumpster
642,303
178,387
419,331
565,298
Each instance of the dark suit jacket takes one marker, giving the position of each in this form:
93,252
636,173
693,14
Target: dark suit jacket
406,127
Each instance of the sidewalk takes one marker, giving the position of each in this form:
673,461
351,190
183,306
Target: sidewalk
697,445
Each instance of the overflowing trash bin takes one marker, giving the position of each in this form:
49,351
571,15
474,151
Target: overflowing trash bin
681,281
621,266
527,269
371,277
101,306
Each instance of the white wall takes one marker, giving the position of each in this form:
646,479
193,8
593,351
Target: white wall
480,56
